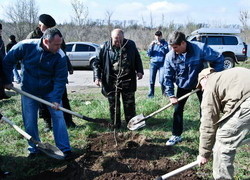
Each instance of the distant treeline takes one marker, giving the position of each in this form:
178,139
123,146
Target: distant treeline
98,32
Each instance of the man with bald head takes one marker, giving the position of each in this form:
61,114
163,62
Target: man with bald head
116,69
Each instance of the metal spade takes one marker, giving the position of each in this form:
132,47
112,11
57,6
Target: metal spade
46,148
139,120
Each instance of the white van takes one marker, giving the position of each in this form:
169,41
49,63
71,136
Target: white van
225,41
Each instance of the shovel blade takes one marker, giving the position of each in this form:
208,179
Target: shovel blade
50,150
136,122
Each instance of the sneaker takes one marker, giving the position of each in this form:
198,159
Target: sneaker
173,140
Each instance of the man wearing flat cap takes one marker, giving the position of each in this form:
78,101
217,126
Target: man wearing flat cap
45,22
226,92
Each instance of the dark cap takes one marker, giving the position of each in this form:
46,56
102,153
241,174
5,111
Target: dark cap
1,26
158,33
47,20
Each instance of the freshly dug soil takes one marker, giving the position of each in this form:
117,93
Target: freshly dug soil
129,156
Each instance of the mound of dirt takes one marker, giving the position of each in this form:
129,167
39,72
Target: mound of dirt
128,156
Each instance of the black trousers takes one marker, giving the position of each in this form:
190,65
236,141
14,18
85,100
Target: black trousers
178,110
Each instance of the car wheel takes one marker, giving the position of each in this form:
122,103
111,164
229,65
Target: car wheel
91,63
228,63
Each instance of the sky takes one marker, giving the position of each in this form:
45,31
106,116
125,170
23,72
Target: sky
213,12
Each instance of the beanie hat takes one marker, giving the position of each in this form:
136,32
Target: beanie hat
47,20
202,74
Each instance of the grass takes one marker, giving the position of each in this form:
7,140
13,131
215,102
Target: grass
145,59
13,147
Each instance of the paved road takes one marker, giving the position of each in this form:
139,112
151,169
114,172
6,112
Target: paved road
85,78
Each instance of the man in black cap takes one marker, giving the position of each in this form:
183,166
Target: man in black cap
45,22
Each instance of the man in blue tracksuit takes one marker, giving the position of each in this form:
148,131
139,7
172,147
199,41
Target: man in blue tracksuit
157,52
44,74
182,66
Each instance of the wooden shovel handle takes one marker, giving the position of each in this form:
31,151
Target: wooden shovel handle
195,163
170,104
45,102
179,170
18,129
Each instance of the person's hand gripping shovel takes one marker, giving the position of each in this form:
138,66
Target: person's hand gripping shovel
94,120
138,121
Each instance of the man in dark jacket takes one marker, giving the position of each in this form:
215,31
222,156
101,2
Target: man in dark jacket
2,55
116,69
2,92
45,22
12,42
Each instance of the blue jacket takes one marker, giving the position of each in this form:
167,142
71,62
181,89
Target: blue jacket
42,71
185,72
157,52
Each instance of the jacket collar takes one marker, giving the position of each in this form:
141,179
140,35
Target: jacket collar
110,43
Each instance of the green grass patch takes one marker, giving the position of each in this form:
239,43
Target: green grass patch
13,147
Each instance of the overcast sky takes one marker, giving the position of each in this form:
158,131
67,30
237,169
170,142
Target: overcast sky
214,12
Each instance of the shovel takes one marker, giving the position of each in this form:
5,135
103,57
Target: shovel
96,120
139,120
188,166
46,148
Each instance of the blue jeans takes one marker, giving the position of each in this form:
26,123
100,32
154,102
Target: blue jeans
30,115
154,67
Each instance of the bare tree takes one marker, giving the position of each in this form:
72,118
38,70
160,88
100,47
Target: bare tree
80,11
79,24
151,20
23,15
244,16
108,15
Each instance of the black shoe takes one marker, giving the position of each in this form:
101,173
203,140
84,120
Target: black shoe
71,124
4,97
33,155
150,95
68,155
4,174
